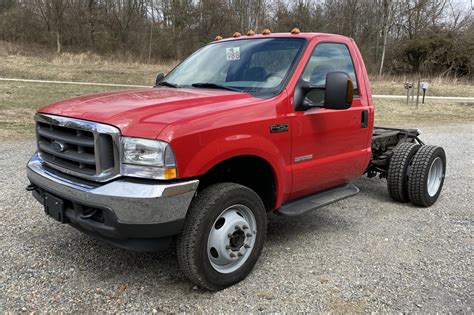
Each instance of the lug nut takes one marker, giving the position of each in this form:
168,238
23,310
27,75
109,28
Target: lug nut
229,235
237,227
245,227
248,235
247,246
232,255
227,247
240,254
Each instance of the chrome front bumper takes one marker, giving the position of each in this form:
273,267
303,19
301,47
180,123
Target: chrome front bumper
133,201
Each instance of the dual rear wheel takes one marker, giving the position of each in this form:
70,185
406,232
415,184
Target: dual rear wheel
416,173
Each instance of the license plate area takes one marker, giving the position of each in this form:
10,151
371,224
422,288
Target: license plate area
54,207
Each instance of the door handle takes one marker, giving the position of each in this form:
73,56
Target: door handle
364,119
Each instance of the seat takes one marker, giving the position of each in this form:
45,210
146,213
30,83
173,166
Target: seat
255,74
318,77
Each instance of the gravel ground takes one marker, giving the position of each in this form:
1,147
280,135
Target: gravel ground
363,254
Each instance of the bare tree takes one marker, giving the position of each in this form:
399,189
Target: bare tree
52,14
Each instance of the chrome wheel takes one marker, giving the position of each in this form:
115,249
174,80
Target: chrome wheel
231,238
435,176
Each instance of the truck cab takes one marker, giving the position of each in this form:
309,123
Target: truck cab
244,126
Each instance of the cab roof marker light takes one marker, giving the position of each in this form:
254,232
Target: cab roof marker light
266,31
250,33
295,31
236,34
218,37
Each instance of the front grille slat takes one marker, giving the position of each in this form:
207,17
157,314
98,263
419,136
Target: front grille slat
78,147
65,137
72,155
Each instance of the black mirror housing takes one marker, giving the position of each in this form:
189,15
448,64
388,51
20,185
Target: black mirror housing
339,91
160,76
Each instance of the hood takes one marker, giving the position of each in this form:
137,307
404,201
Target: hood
145,112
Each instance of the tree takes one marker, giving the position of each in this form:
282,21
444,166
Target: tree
52,14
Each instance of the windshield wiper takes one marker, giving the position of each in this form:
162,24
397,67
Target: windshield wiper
164,83
214,86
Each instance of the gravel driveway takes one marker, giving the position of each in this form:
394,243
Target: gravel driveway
362,254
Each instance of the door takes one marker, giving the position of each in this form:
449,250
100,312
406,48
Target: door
329,146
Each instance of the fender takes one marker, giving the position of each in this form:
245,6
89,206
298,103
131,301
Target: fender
224,148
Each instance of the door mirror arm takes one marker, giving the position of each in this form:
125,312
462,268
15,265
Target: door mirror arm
302,102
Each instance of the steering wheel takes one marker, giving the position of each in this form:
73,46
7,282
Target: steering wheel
276,77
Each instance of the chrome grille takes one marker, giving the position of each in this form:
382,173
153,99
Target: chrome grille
78,147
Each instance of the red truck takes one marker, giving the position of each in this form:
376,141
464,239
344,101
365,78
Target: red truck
247,125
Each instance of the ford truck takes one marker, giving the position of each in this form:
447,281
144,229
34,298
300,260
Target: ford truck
246,125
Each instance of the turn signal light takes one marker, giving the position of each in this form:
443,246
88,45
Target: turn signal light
295,31
236,34
350,91
266,31
169,173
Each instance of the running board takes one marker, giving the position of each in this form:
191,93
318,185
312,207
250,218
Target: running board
316,201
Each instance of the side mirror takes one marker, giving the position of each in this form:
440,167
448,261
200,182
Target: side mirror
339,91
159,77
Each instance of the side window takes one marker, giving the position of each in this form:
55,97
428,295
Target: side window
327,57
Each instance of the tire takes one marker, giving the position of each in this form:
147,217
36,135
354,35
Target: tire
397,179
219,223
427,175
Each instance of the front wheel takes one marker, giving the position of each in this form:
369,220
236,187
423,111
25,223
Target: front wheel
223,236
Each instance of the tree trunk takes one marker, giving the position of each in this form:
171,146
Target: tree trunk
58,42
386,24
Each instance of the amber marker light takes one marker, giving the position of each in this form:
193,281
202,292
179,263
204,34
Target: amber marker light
236,34
250,33
170,173
295,31
266,31
350,91
218,37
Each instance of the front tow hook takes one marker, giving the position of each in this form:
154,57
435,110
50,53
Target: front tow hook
31,187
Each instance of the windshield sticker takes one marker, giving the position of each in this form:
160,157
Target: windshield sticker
232,53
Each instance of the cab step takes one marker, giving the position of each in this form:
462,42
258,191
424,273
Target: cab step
316,201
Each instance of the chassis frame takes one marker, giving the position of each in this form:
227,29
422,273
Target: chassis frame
384,142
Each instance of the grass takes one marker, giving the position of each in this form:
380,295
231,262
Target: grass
394,85
18,100
80,67
396,113
93,68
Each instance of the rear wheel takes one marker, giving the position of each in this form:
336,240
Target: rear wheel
397,179
223,236
427,175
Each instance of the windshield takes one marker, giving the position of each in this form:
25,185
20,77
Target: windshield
254,65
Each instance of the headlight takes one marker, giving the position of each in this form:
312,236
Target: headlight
148,159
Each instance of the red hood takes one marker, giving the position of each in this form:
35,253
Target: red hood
152,109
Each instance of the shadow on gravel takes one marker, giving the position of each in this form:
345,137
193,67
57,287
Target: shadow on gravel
374,189
103,265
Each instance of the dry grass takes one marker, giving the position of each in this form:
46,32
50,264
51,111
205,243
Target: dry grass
439,86
90,67
80,67
396,113
18,101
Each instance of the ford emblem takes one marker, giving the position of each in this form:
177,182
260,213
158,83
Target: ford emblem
58,146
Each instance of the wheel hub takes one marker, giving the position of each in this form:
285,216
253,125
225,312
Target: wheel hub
435,176
237,240
231,238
